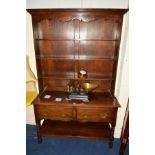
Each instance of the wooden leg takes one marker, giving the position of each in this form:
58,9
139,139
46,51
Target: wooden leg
123,146
112,136
110,144
38,132
121,153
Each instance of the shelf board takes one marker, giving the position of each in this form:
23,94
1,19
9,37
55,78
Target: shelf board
75,57
55,76
75,77
75,129
97,58
55,57
37,39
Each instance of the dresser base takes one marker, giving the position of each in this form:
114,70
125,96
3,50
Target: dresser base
73,129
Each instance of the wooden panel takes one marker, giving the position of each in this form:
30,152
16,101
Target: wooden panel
96,114
97,68
55,28
97,49
60,84
62,29
59,49
54,112
43,28
99,28
57,67
55,84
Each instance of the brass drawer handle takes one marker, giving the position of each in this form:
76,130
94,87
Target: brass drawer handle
46,113
62,114
103,116
85,116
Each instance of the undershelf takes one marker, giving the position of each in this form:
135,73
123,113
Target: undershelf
87,130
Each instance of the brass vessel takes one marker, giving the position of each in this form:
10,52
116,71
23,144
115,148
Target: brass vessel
88,87
69,89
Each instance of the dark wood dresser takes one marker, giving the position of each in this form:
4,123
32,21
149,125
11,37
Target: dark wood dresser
66,41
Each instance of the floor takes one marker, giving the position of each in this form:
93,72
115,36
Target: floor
68,146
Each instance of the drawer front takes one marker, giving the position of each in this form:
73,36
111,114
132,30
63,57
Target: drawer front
54,113
96,114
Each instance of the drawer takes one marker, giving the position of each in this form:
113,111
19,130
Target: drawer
54,112
96,114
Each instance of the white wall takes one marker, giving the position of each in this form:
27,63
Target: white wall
105,3
30,44
121,89
76,4
53,4
122,80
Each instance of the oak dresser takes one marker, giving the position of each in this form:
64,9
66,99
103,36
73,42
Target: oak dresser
66,41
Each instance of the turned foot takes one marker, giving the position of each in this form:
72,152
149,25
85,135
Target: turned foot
38,132
39,140
121,152
110,144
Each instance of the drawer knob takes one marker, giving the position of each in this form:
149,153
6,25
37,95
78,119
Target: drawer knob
103,116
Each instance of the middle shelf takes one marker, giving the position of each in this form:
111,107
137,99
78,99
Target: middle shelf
73,49
60,83
65,67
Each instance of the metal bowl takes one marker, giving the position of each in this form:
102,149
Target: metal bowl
88,87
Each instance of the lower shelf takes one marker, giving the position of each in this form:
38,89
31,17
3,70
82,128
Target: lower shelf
76,129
